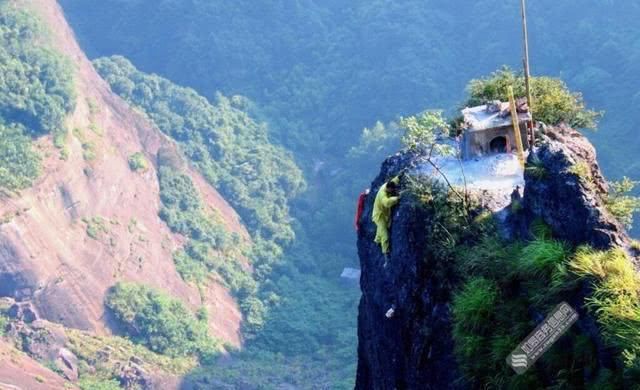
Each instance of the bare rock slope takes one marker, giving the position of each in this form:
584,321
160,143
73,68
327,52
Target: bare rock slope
46,255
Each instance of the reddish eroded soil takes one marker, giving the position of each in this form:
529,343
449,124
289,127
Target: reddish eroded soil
46,253
20,372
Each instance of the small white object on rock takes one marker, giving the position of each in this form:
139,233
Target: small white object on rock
351,274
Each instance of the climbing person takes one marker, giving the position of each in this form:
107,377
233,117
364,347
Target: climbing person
386,198
360,207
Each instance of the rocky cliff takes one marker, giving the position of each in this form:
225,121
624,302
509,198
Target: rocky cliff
90,220
436,257
48,254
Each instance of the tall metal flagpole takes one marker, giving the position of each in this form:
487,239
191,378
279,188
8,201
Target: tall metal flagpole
527,73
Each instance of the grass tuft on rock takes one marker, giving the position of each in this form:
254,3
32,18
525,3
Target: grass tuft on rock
541,257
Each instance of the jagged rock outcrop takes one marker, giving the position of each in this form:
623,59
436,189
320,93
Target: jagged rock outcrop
18,371
570,204
414,348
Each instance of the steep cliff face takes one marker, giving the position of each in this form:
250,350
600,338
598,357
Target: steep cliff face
572,205
415,349
90,220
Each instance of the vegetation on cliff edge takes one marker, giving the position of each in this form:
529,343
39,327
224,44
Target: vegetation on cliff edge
502,289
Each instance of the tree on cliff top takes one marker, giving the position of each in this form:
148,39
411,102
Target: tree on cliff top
553,102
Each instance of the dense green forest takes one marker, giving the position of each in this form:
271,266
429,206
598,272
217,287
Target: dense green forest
317,73
35,95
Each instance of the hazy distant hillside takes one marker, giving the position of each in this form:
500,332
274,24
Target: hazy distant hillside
328,69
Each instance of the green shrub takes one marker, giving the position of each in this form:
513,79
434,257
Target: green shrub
183,210
137,162
19,163
553,103
60,142
89,151
60,139
620,203
582,170
96,226
158,321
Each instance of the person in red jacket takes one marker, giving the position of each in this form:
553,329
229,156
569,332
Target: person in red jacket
360,208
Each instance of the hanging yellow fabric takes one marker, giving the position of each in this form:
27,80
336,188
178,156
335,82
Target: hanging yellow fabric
516,126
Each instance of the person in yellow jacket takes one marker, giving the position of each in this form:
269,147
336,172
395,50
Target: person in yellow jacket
387,197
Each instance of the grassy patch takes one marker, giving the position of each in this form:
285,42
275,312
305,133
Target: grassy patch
109,351
4,321
582,170
615,299
95,383
473,306
89,151
138,162
96,226
540,230
504,283
540,257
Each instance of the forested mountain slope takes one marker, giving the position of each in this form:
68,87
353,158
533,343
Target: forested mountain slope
106,228
89,220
